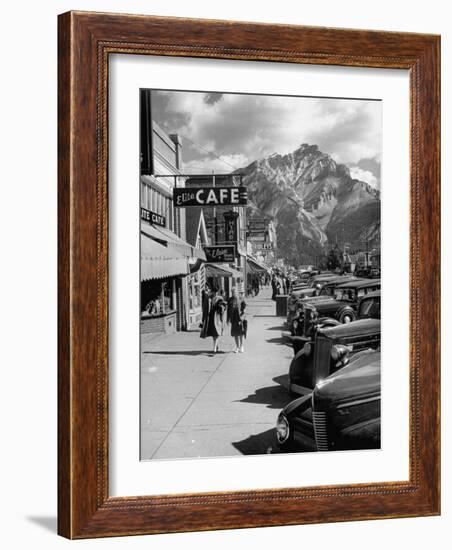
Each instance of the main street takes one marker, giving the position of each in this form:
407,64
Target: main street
196,404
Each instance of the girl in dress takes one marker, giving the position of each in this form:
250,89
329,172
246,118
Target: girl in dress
236,316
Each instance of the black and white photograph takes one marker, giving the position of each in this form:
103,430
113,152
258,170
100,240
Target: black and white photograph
199,200
260,274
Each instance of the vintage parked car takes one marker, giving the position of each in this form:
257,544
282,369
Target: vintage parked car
314,284
308,287
303,290
319,278
292,305
328,287
343,412
342,307
320,356
298,284
295,312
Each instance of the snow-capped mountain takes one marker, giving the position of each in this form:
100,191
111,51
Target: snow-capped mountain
313,201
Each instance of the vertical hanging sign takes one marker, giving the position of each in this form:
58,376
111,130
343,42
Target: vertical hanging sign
230,226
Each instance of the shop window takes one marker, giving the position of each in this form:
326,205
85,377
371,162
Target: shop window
157,297
195,291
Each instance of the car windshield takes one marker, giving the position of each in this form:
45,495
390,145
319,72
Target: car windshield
327,291
347,294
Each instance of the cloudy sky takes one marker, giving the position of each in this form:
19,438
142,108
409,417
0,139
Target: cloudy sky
225,131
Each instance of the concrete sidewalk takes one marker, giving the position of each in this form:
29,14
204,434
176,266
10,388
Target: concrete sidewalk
196,404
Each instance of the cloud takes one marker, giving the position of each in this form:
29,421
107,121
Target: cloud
364,175
373,165
223,164
249,127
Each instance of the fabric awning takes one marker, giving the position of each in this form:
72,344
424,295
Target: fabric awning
169,238
196,266
223,270
159,262
255,267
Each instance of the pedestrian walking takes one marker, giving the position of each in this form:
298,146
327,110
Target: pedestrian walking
214,320
237,318
285,284
256,286
276,287
205,305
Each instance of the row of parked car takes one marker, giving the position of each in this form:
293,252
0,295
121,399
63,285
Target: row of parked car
334,375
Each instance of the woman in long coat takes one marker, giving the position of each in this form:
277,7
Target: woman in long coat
236,316
214,320
276,287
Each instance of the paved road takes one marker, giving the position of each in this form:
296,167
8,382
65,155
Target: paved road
195,404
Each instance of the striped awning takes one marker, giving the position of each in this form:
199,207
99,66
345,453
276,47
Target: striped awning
223,270
171,240
159,262
256,267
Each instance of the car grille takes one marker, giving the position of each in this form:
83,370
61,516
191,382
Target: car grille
320,432
307,320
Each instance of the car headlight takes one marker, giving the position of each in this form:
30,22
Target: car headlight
338,352
282,428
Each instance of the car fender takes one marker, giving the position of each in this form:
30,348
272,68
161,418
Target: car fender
298,343
364,435
297,363
327,322
300,404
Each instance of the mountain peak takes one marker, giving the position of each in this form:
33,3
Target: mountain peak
307,147
330,204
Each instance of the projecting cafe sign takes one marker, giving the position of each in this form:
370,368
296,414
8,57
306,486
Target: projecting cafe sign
220,254
152,217
210,196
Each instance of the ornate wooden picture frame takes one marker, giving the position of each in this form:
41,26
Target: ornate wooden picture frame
86,40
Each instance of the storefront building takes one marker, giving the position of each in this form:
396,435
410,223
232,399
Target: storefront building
197,237
225,225
262,237
161,272
167,259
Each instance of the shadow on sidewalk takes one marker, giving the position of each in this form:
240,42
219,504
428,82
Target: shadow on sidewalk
276,327
258,444
263,443
185,352
280,341
275,397
282,380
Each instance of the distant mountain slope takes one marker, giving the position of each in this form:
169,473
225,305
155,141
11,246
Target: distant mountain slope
313,200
